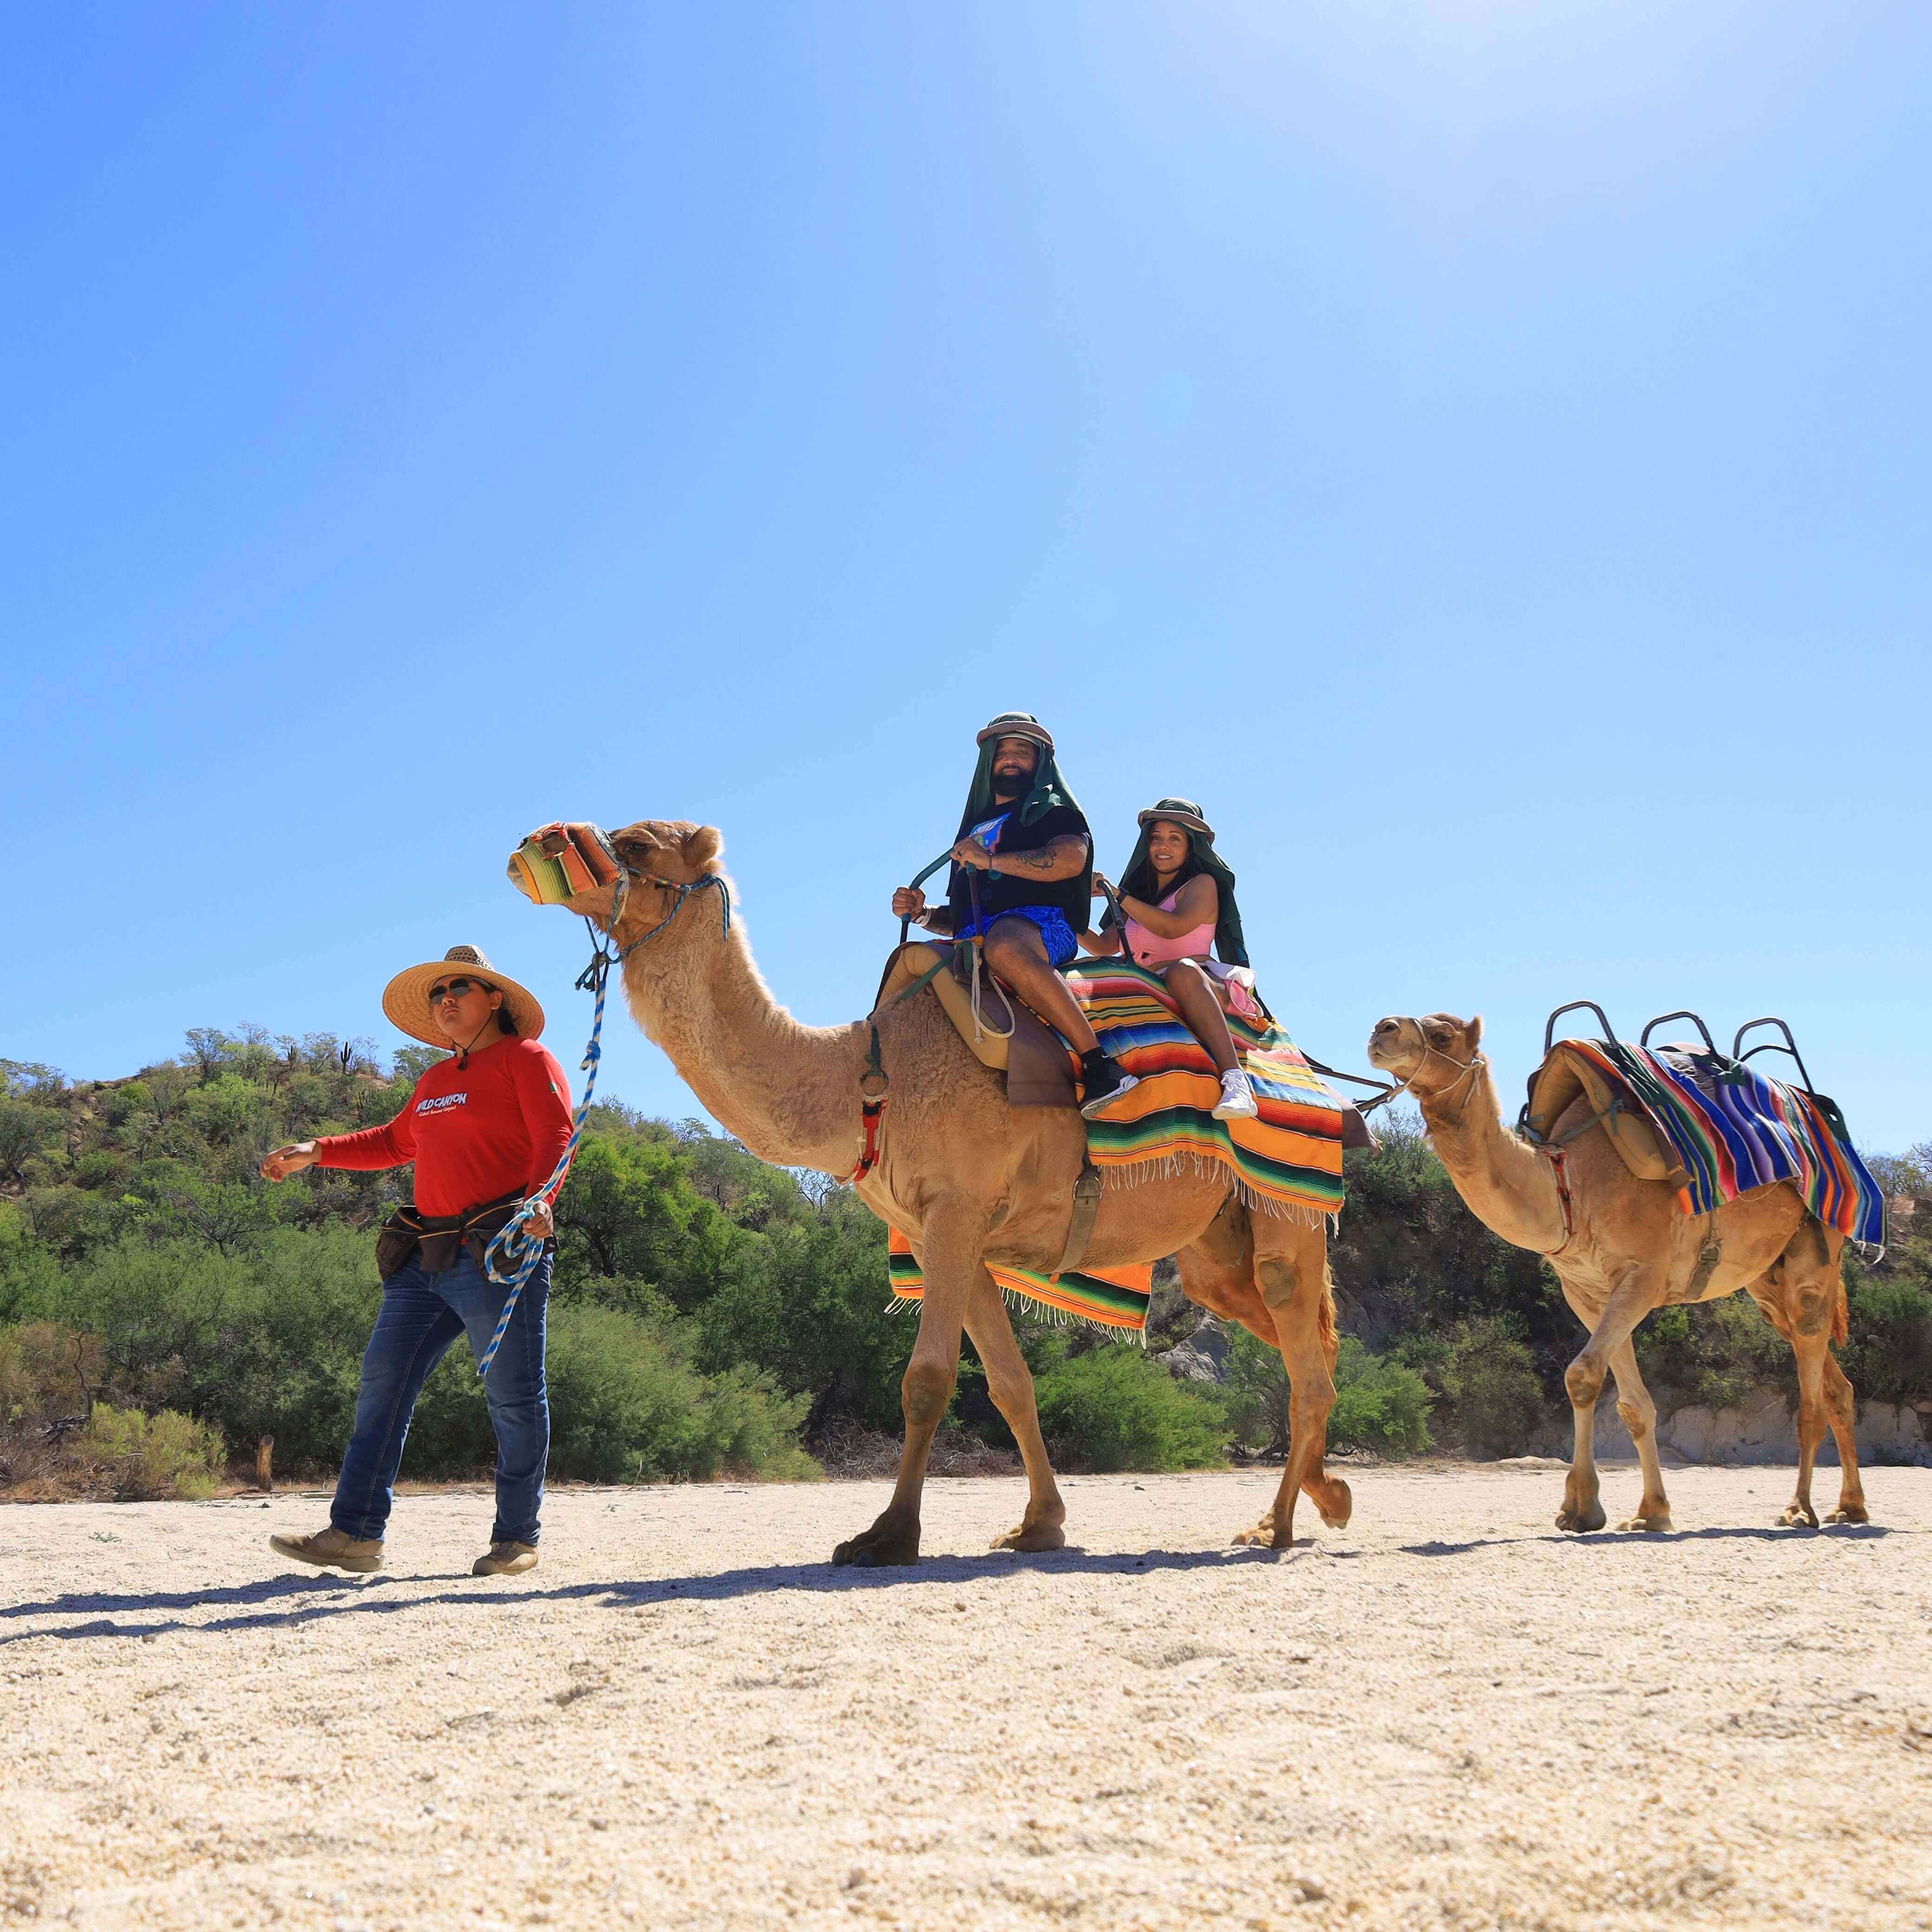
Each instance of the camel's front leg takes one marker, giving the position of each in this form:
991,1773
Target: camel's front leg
1010,1382
1842,1412
1639,1291
1295,1288
954,1228
1639,1416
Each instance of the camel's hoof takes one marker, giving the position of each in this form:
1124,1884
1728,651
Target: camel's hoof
875,1549
1855,1513
1265,1536
1653,1523
1032,1542
1336,1502
1796,1515
1582,1521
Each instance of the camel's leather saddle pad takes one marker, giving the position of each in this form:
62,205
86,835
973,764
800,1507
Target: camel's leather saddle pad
1555,1084
1033,1057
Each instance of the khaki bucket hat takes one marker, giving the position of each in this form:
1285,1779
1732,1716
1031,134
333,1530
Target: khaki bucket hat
1182,811
406,998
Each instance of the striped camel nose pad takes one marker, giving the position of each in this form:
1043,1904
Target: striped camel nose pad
558,863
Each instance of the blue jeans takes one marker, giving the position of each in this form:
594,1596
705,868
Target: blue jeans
421,1315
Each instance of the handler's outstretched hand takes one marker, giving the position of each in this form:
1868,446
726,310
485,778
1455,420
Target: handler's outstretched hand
287,1160
541,1225
908,902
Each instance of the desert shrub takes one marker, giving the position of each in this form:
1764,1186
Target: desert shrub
1719,1354
1112,1408
627,1406
149,1457
1488,1379
47,1370
1379,1404
1888,1352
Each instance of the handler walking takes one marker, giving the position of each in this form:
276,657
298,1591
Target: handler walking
486,1128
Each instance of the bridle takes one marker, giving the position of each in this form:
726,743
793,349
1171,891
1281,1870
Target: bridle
1469,1068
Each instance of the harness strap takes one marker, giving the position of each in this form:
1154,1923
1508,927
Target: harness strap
1086,1206
1559,1160
874,1088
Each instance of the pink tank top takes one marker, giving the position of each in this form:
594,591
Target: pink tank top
1149,949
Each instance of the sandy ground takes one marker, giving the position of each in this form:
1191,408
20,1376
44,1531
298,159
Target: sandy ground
1446,1715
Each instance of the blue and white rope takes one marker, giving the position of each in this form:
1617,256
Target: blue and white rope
512,1255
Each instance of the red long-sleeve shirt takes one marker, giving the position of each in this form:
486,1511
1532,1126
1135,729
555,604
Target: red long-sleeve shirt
498,1125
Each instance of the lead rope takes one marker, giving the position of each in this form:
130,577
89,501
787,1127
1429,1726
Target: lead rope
512,1255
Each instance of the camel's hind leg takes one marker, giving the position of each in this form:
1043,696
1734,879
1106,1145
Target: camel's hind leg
1010,1383
1803,1293
1291,1269
1639,1416
1219,1273
954,1229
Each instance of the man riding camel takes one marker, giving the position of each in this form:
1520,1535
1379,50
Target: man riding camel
1025,853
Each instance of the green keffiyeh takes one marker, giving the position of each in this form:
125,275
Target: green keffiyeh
1138,878
1049,789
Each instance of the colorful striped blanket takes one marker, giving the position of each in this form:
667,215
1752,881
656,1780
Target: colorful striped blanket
1109,1297
1287,1161
1734,1129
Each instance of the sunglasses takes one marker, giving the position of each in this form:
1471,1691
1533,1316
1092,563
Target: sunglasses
455,989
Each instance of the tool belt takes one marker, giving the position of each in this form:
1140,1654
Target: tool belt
440,1237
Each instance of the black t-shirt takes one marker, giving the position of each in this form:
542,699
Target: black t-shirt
1024,888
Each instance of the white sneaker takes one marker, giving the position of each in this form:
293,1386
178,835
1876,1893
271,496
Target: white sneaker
1237,1098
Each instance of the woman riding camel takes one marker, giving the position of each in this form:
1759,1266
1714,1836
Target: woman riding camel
486,1128
1177,897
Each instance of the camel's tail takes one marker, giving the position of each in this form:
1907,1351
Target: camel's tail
1325,1318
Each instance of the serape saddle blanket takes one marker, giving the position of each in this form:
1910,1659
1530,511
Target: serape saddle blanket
1733,1130
1286,1161
1107,1298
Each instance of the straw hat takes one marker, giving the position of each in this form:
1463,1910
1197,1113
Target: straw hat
1183,811
406,998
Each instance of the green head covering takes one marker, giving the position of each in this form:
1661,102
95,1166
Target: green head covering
1049,788
1139,879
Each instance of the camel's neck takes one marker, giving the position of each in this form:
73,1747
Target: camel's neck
789,1092
1506,1184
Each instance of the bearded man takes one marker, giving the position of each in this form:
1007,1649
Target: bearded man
1023,843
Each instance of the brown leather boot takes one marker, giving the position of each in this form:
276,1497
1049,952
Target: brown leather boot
330,1549
506,1559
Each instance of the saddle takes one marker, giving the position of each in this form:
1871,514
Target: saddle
1008,1036
1555,1086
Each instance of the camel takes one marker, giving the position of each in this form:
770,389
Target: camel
967,1178
1621,1247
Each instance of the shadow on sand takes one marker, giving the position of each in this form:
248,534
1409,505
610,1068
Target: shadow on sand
289,1602
1849,1532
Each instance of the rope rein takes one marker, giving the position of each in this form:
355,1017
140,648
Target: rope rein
512,1255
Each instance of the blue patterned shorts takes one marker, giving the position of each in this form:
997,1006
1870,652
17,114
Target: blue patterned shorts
1061,946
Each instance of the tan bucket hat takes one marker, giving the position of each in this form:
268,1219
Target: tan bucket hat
406,998
1180,811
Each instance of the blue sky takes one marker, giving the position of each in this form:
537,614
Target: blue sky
1481,451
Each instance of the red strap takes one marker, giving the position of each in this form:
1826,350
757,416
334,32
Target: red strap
1557,1158
870,1110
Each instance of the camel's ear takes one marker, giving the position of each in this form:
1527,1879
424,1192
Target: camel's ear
1475,1033
701,847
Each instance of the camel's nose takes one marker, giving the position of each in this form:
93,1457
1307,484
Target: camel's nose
1386,1026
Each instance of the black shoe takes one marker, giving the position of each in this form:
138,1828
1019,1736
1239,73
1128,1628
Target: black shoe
1102,1082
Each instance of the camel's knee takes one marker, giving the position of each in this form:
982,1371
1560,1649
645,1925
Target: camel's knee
1816,1307
1012,1395
1278,1280
924,1394
1584,1379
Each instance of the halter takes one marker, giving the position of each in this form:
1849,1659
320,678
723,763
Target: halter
512,1255
1469,1066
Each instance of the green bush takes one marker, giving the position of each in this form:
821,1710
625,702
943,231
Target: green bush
1379,1404
1488,1377
154,1457
1112,1408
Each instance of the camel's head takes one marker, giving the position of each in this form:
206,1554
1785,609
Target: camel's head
571,866
1428,1054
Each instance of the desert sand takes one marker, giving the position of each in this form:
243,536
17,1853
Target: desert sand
1445,1715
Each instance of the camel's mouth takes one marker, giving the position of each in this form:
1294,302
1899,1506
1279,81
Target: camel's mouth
1386,1045
574,865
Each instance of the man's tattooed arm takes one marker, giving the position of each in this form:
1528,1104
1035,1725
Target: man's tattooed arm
1059,858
